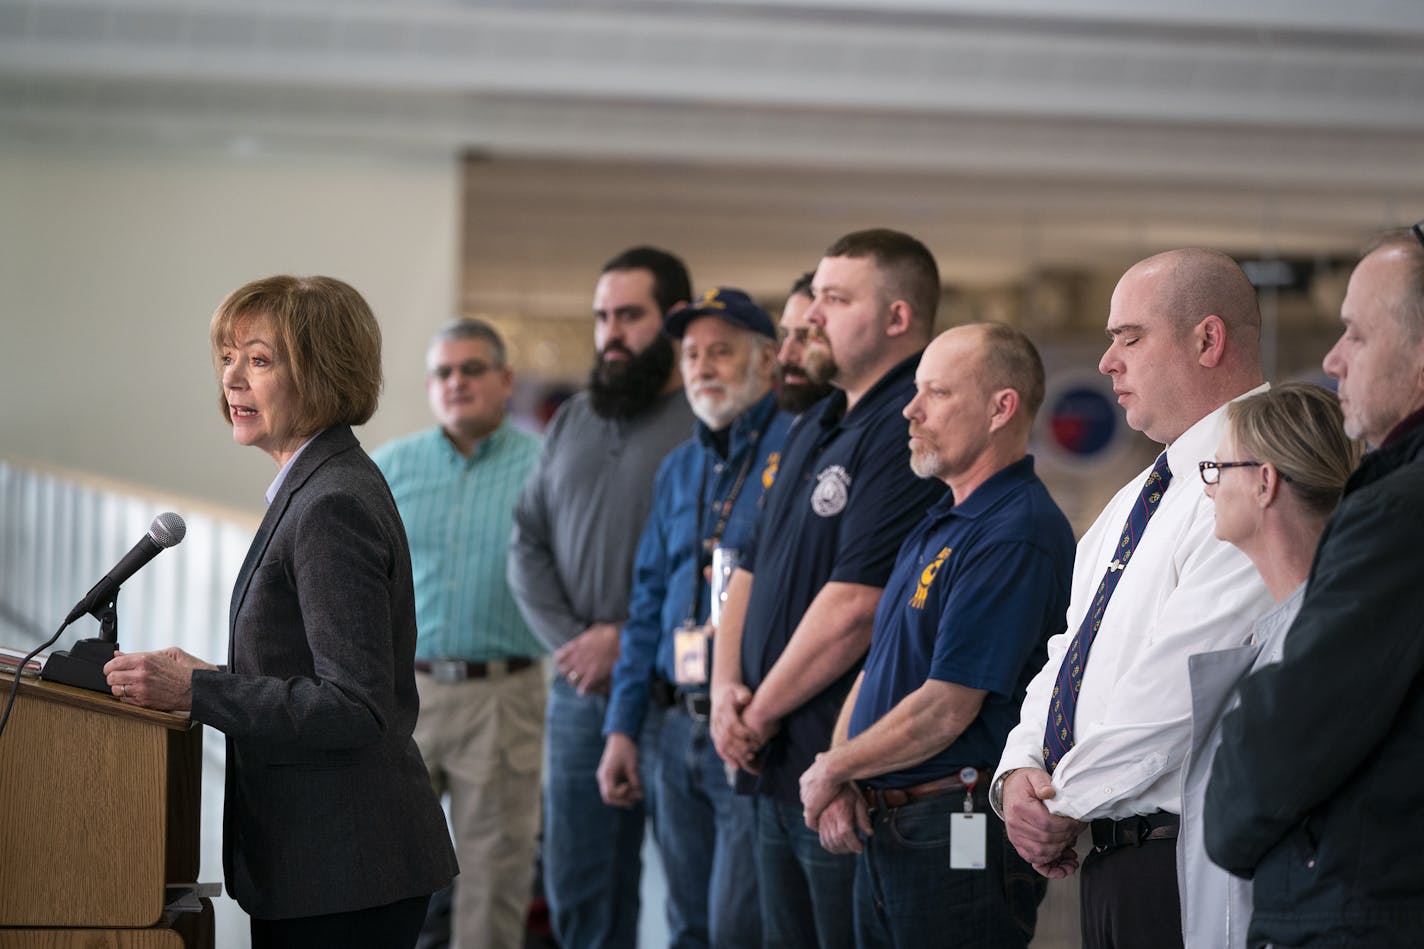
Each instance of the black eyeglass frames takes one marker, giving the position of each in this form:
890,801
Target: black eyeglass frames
1211,470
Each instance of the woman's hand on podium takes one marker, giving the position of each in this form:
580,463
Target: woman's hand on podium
160,680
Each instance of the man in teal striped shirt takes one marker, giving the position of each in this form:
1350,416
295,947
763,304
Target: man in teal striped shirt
478,668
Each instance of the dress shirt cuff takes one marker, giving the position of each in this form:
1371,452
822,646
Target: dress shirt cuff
996,791
1011,762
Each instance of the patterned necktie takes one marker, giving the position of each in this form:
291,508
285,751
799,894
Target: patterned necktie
1058,735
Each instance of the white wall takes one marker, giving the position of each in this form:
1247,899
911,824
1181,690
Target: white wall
112,263
110,267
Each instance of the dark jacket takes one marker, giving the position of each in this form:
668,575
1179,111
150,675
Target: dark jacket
328,804
1316,790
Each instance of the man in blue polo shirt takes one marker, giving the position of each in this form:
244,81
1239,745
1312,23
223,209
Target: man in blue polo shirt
798,617
978,588
707,495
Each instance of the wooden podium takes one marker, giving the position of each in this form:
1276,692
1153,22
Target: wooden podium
99,805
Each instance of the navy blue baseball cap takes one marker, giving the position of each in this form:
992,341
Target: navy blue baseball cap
727,303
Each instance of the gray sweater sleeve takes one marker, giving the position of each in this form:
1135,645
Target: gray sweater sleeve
533,567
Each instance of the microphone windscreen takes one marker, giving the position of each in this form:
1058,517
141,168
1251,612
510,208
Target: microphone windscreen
167,529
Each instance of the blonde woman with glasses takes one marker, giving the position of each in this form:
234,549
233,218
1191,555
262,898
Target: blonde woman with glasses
1279,471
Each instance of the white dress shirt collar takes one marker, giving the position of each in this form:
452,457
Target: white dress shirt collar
282,473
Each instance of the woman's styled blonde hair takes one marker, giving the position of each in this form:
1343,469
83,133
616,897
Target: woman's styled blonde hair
1299,429
329,337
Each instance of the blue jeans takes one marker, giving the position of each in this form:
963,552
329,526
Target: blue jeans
592,852
806,892
907,895
708,835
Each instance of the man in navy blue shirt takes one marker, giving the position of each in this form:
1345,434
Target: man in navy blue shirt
798,616
978,588
707,494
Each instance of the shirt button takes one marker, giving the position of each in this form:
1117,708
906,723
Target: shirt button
719,467
1107,790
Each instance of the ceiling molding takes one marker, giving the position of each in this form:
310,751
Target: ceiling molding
1015,134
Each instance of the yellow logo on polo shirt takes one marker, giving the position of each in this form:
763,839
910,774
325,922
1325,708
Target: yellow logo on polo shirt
768,474
927,576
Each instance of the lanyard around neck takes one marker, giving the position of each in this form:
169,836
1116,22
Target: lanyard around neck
705,545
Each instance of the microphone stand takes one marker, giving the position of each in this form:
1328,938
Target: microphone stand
83,664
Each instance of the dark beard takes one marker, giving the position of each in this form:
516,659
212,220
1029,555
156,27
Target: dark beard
628,387
797,397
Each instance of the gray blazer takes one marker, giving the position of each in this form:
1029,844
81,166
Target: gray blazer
328,804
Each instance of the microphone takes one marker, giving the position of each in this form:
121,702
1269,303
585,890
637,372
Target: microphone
83,665
166,530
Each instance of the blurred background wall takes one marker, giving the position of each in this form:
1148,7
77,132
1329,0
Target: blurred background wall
484,157
112,262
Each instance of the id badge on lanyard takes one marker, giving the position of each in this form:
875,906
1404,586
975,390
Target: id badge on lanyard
690,647
968,832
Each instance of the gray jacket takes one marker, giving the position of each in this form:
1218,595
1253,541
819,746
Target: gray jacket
328,804
1216,906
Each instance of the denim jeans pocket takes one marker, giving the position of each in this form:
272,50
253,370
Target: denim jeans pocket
923,825
1024,888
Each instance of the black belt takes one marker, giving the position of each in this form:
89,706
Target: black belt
458,670
662,692
665,695
1134,831
696,704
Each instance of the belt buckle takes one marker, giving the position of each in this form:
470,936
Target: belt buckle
1112,835
690,703
877,800
1124,832
447,670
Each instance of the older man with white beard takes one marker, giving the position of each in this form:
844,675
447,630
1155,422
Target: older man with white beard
706,496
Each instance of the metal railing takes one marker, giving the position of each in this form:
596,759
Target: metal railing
60,532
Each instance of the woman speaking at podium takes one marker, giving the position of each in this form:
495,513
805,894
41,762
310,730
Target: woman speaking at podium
332,834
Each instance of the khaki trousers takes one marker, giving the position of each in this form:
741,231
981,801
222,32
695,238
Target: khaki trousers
482,740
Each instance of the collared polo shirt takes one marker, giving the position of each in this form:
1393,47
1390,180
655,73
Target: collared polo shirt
672,550
458,514
843,501
976,592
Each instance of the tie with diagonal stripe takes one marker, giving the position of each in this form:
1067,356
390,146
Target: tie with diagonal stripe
1058,735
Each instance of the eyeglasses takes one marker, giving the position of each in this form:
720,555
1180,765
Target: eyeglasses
1211,470
470,369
